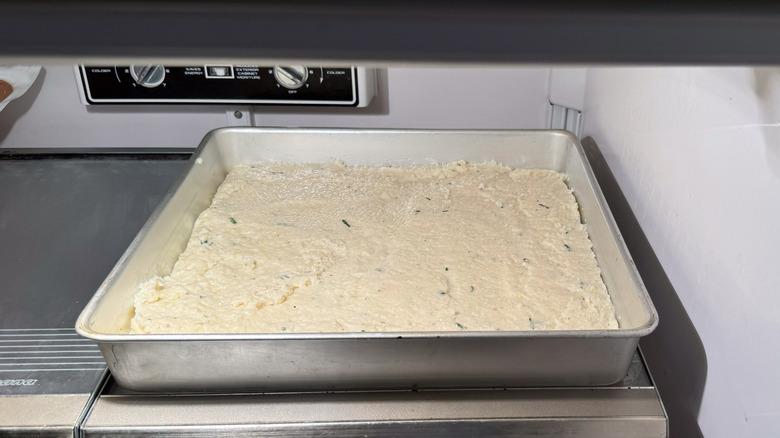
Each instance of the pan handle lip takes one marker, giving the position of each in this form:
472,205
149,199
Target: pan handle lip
373,336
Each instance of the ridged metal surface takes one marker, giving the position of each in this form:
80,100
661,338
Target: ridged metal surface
39,350
47,361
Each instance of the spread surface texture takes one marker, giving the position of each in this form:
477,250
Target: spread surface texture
301,248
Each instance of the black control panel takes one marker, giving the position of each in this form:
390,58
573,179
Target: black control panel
220,84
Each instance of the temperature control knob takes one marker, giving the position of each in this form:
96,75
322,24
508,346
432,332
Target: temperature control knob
148,76
292,77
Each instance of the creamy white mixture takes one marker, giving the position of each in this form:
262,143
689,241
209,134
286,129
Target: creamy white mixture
330,248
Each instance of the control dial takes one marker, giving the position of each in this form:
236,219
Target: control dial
148,76
292,77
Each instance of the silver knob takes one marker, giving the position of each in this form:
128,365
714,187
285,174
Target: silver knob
292,76
148,76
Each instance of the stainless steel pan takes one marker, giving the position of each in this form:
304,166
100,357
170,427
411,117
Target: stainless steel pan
326,361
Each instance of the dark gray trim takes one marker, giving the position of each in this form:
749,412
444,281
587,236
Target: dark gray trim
425,30
97,153
674,351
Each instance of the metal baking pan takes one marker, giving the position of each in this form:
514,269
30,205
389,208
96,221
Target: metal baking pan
328,361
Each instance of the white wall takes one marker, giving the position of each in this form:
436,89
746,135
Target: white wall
51,116
696,151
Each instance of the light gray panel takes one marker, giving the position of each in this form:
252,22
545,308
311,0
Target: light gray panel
41,415
602,412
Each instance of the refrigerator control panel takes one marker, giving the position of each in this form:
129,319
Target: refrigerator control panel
226,84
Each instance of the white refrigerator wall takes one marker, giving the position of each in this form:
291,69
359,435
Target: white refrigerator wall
696,152
50,115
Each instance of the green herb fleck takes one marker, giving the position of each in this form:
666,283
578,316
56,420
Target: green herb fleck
460,326
568,248
532,324
284,329
233,221
444,211
441,292
416,211
446,268
345,223
542,205
363,331
427,198
202,297
204,242
378,269
525,260
472,288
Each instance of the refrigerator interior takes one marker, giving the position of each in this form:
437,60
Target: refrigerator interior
688,158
